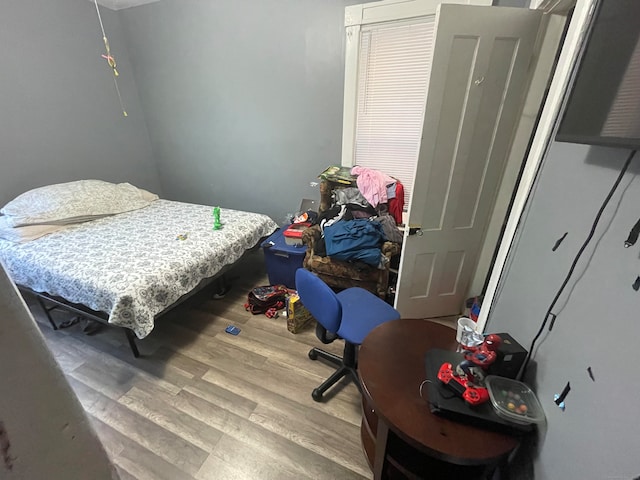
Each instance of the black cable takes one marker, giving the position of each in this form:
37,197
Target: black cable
575,262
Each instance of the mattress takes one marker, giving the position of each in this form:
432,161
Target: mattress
136,264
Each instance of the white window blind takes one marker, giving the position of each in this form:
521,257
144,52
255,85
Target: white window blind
393,75
624,117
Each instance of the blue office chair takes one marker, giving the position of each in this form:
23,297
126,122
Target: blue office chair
349,315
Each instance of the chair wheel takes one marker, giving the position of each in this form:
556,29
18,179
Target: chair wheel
313,355
316,395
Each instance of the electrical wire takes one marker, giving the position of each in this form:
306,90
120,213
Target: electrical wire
104,35
110,60
422,385
550,313
453,395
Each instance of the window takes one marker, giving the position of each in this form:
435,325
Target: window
393,74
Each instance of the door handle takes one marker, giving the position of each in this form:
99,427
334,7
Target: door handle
415,230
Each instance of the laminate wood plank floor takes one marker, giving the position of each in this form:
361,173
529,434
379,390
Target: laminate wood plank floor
202,404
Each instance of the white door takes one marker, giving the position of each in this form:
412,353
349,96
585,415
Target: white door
389,47
481,68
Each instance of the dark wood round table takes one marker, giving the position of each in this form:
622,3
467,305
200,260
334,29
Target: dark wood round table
400,436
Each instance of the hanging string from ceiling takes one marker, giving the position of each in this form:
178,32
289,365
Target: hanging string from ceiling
110,60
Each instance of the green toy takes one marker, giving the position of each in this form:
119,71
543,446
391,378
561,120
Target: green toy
216,218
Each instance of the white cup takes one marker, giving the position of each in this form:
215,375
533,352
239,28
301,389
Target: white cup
466,328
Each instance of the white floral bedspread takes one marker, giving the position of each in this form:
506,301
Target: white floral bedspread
134,265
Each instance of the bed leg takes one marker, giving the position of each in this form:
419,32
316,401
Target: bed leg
132,342
222,287
46,312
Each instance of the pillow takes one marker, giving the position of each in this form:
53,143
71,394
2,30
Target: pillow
74,202
25,234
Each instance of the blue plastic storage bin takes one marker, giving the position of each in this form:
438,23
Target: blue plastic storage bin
282,260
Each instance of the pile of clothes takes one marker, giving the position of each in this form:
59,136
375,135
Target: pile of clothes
365,210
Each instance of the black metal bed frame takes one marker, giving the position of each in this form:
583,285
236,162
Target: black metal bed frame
103,317
59,302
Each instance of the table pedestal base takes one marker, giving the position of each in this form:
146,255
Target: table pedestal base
395,459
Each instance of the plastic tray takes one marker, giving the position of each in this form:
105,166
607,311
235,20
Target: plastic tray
293,233
514,401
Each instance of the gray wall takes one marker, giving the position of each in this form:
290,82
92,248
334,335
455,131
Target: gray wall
596,436
44,431
511,3
243,98
60,119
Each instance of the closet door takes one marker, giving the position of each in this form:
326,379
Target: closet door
481,66
389,47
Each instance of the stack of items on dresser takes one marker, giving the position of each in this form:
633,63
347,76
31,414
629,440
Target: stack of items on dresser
364,213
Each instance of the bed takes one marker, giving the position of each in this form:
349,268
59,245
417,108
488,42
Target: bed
128,268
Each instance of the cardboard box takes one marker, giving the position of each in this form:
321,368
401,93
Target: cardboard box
298,317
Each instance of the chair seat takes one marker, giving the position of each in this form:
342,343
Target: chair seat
364,312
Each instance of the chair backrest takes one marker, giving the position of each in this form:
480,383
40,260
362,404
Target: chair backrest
319,299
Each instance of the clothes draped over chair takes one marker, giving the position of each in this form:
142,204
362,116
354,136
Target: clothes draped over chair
344,267
377,201
347,195
355,240
380,189
391,231
372,184
352,243
396,203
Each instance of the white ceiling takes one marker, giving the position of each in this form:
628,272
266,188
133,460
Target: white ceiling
120,4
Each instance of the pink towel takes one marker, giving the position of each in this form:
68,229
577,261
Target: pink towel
372,184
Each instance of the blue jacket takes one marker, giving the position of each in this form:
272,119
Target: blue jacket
358,239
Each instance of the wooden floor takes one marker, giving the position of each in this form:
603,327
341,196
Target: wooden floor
203,404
